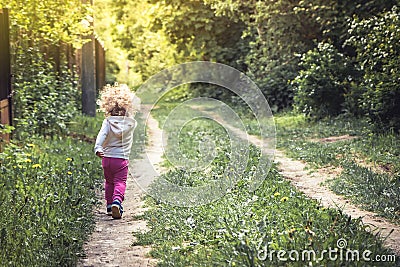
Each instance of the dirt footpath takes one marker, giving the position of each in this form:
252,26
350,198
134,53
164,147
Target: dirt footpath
111,241
310,184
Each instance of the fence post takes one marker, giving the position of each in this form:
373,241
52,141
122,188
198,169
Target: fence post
5,73
88,72
100,65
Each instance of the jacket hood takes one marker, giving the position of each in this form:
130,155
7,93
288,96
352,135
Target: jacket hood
120,125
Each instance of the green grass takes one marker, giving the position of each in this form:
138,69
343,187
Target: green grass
237,229
368,157
46,198
86,125
370,162
370,190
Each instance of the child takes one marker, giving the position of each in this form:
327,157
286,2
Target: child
114,142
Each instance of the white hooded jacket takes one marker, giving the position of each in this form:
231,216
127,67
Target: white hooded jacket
115,137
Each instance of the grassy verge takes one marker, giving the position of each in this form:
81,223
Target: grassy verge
86,126
245,228
371,169
370,164
46,198
47,193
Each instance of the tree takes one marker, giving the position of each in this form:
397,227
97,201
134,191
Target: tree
281,30
159,34
278,33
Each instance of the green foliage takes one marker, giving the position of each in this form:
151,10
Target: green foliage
331,17
86,125
44,100
4,130
331,83
160,34
45,91
377,43
326,78
46,185
273,78
41,23
261,38
46,198
276,33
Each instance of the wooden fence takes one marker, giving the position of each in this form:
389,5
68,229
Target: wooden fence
5,73
88,63
91,66
100,64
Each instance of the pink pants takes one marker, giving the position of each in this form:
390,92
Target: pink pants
115,173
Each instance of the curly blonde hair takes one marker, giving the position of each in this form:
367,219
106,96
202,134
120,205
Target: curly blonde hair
118,100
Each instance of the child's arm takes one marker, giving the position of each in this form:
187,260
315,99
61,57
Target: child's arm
101,137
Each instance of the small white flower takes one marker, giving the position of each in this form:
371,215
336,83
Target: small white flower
191,222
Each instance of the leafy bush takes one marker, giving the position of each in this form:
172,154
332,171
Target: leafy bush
46,198
44,90
326,78
273,80
44,99
377,43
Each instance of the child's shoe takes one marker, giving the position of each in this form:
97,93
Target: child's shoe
116,209
109,211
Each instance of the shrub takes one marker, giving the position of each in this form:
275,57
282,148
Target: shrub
377,43
326,77
272,77
44,99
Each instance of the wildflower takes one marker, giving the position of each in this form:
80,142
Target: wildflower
31,145
191,222
9,157
28,160
35,166
68,159
69,173
28,154
284,199
277,194
308,231
291,231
